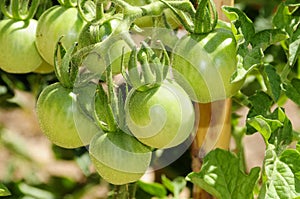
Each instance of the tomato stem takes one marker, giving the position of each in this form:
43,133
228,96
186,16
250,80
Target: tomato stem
126,191
157,8
121,192
99,10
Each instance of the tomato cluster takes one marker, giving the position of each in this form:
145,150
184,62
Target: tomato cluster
89,46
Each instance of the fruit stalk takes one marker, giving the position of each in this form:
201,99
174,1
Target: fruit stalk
213,117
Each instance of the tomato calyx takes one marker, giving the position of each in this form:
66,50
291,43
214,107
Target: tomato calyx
19,11
205,23
103,111
145,69
65,66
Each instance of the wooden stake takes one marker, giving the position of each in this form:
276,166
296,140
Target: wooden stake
214,128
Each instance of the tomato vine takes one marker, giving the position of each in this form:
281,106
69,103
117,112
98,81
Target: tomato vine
121,82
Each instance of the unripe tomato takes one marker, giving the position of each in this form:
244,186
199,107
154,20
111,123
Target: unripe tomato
93,33
203,65
17,41
105,53
119,158
55,22
107,49
61,118
161,117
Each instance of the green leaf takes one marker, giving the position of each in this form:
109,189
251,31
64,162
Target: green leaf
292,90
251,57
283,136
154,188
291,157
282,18
248,59
265,38
294,47
292,3
35,192
4,191
84,163
175,186
265,126
222,176
241,22
279,179
272,81
261,104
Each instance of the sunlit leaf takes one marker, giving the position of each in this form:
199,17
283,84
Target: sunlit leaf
222,176
4,191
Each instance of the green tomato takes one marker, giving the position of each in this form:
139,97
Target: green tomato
54,23
93,33
204,64
119,158
17,41
105,53
62,119
161,117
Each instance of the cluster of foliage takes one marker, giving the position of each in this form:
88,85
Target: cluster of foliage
80,105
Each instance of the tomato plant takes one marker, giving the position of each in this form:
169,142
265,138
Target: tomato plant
174,81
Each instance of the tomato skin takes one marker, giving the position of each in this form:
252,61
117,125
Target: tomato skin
61,120
119,158
161,117
17,40
55,22
203,65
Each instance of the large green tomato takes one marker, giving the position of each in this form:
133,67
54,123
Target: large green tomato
204,64
62,118
55,22
17,41
119,158
161,117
